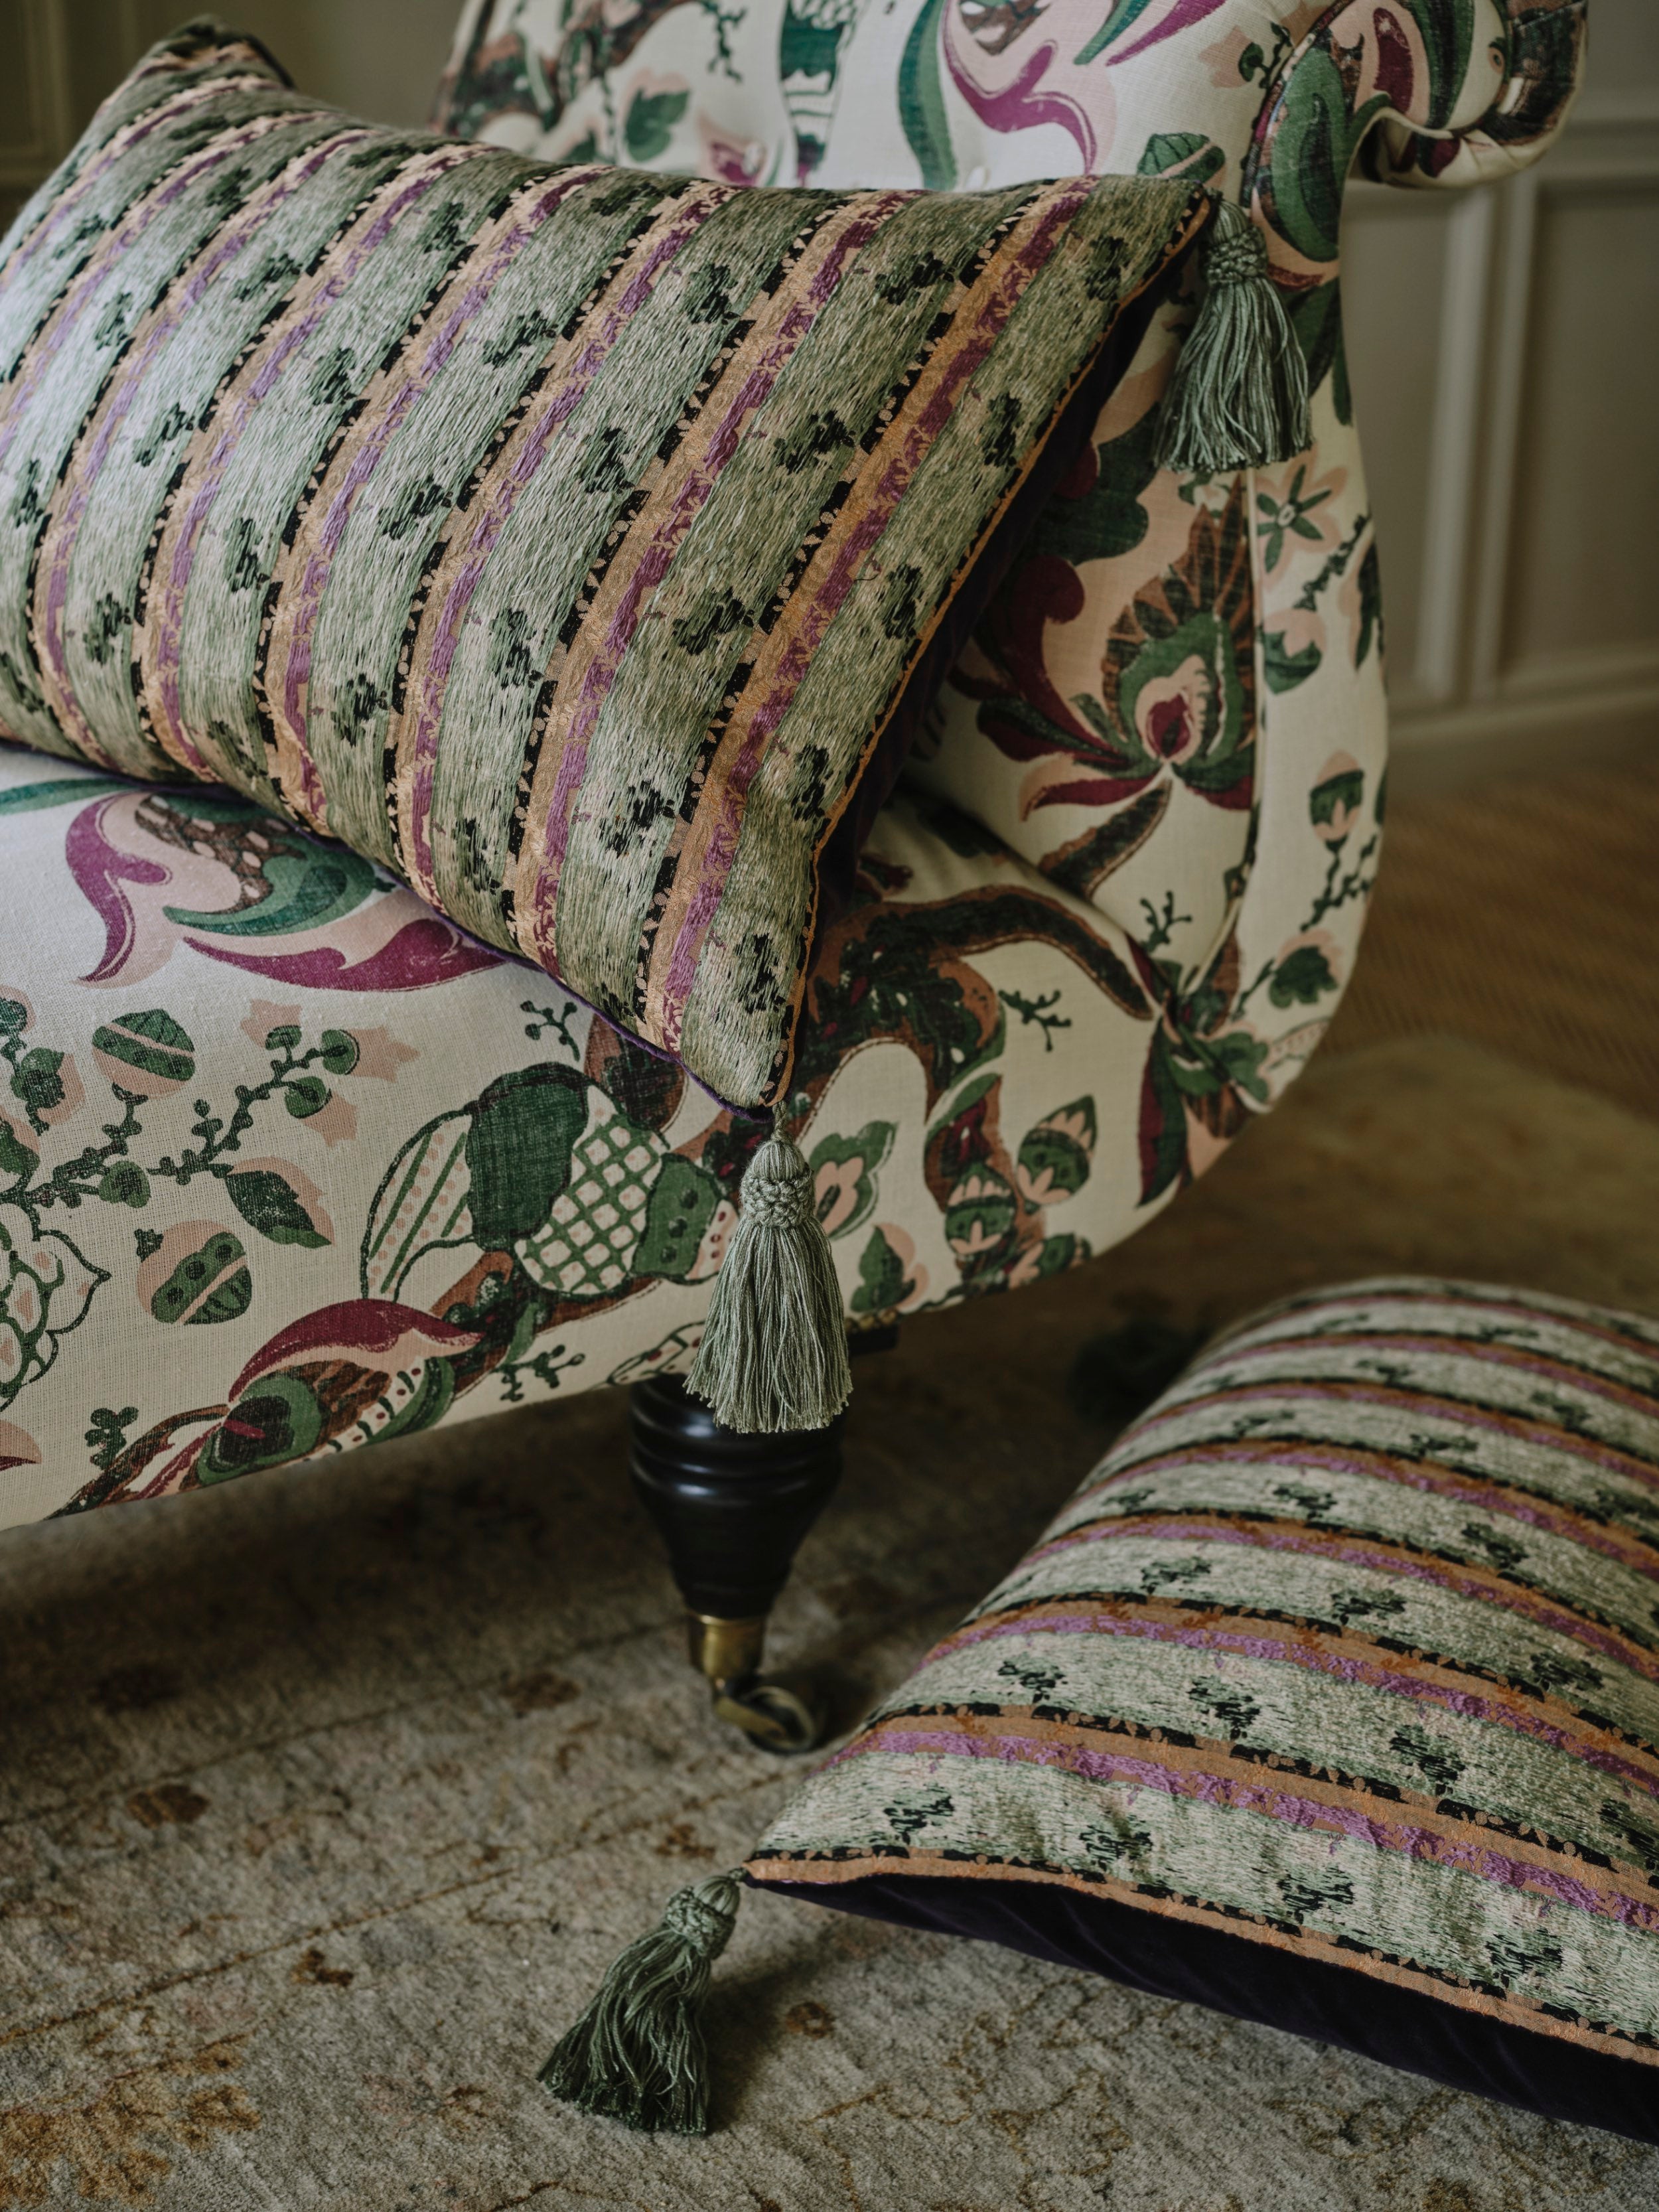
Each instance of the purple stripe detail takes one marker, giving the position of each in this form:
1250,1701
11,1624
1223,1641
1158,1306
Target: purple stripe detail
1364,1674
84,293
84,475
129,134
655,565
815,620
1485,1861
1463,1299
506,487
1357,1552
1410,1475
1303,1391
168,620
296,675
1592,1383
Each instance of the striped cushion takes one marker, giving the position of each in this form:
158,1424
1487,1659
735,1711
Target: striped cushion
1332,1697
566,540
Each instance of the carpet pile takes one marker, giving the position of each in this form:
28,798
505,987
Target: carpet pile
325,1798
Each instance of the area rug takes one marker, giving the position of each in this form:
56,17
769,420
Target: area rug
324,1798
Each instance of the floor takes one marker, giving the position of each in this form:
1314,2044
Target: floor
325,1798
1523,915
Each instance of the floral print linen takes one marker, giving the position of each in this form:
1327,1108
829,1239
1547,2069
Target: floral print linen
287,1164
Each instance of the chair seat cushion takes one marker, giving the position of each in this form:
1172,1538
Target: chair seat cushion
582,544
289,1164
1331,1698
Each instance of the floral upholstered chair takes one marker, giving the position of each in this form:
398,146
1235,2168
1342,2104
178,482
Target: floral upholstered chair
289,1165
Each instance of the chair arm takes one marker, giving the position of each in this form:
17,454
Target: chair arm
1420,92
1541,56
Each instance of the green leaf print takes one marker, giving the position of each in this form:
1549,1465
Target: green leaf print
305,1096
267,1201
1120,16
309,887
340,1051
808,48
921,100
26,798
883,1283
1302,978
1109,520
649,129
1054,1155
38,1080
198,1274
123,1183
844,1171
1285,669
1183,153
106,1433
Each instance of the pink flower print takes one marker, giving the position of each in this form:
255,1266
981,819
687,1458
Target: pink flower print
335,1123
381,1055
1334,802
17,1447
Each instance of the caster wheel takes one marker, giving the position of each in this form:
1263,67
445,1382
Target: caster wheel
774,1719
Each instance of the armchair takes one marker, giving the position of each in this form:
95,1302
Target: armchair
289,1165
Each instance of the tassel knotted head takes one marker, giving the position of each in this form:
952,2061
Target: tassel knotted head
638,2053
774,1353
1238,397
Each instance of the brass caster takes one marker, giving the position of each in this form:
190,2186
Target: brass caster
774,1719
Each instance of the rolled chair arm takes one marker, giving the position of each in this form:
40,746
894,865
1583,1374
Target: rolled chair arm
1538,65
1417,92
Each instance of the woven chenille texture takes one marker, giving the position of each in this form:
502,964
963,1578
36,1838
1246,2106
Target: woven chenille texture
561,540
1348,1648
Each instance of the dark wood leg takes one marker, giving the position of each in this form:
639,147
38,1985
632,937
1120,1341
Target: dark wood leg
733,1511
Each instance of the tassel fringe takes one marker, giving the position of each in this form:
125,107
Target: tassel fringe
1238,398
774,1353
638,2053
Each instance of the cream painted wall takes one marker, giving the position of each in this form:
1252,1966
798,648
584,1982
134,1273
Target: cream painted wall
1502,342
378,58
1503,346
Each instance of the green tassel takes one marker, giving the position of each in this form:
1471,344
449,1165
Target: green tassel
637,2054
1238,398
773,1352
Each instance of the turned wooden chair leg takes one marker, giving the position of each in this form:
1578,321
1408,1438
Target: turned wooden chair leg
733,1511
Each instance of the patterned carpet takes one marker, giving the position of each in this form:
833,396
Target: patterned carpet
324,1798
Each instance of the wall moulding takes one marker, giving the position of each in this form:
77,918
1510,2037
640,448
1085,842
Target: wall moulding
1513,503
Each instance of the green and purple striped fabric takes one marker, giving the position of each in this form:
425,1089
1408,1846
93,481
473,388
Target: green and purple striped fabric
1350,1648
568,541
